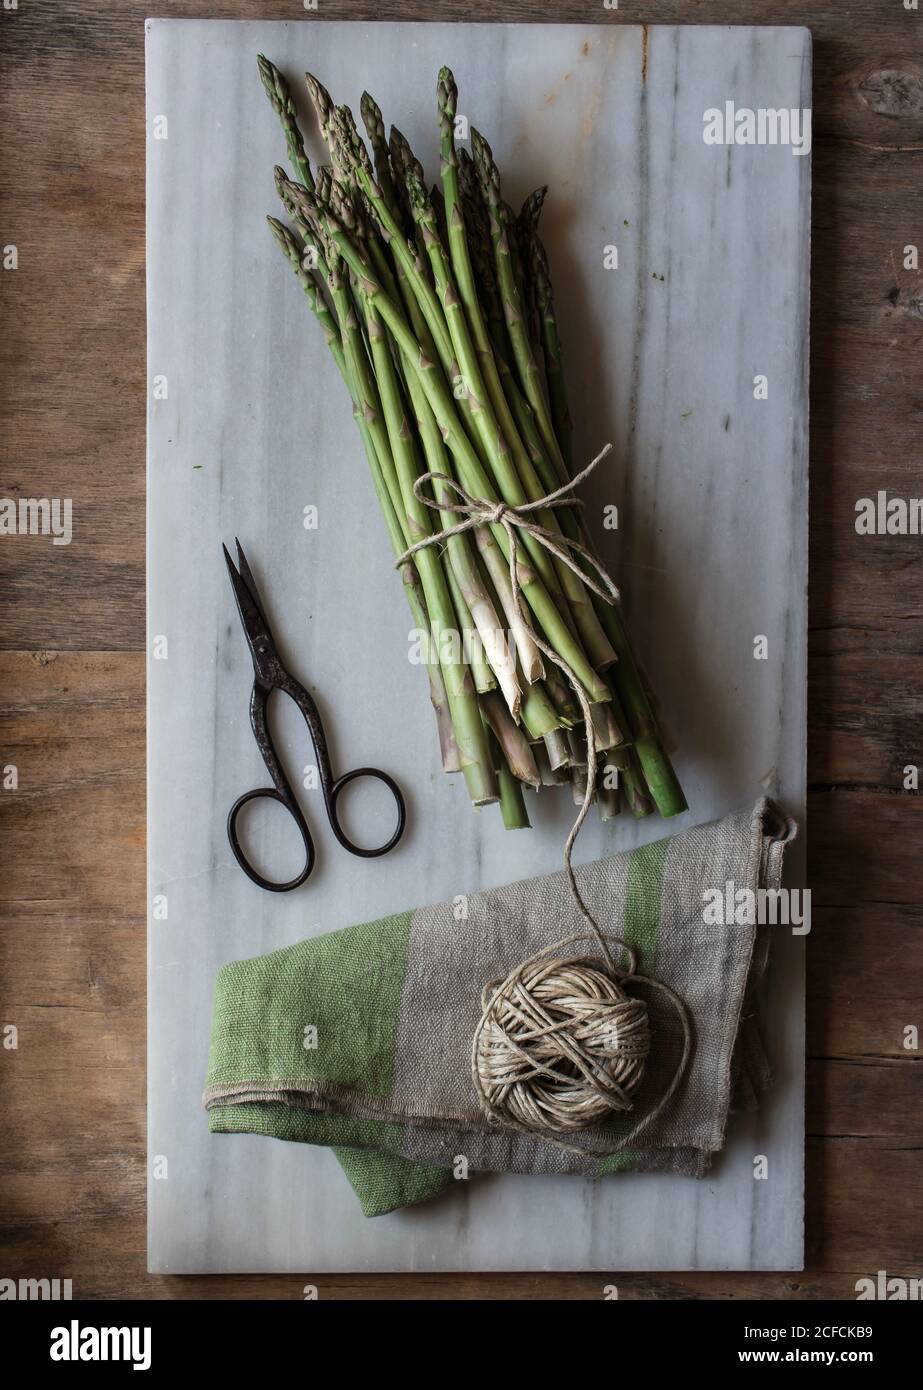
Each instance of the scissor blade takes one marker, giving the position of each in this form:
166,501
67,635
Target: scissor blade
254,623
246,575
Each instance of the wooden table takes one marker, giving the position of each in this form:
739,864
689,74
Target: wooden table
72,1155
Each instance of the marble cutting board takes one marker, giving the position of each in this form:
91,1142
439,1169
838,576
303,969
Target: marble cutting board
249,425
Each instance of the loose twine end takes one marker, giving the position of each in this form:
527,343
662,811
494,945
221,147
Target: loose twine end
560,1044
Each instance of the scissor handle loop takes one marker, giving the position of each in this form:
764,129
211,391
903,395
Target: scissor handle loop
334,817
294,810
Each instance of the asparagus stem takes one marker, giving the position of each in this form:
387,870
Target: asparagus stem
538,714
437,203
578,785
480,247
512,802
295,256
530,657
617,759
557,749
369,410
551,777
636,792
515,746
481,673
610,801
658,770
606,732
471,600
654,761
438,464
403,160
562,697
391,233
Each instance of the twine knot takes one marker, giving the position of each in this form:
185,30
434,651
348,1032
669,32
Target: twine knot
486,511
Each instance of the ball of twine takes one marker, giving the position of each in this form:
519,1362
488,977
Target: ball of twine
560,1045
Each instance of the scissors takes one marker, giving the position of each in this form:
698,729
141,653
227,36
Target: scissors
270,674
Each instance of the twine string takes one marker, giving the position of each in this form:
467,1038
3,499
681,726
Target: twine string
551,1010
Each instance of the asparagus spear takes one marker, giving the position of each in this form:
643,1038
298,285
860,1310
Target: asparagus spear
280,96
635,789
404,161
323,105
375,127
540,280
501,234
279,93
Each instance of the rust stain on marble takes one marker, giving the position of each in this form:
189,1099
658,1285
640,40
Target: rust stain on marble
589,120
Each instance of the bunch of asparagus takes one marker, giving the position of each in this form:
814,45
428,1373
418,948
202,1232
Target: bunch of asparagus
437,306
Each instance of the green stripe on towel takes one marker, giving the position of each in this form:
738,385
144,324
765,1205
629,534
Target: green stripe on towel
325,1010
642,933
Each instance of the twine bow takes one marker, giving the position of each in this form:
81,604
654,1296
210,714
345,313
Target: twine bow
482,511
538,1017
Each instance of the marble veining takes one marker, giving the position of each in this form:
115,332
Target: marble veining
711,291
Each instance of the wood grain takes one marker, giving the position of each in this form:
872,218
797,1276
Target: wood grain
72,661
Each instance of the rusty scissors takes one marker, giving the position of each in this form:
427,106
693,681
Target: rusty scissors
270,674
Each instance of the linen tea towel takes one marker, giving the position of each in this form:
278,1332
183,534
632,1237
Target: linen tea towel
391,1007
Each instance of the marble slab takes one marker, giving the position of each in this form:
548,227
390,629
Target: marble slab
710,479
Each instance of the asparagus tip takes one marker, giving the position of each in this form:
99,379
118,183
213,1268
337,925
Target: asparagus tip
323,102
370,109
275,85
447,93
